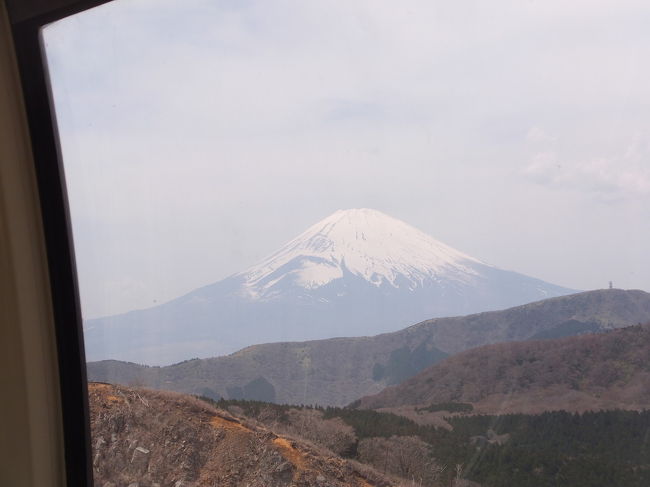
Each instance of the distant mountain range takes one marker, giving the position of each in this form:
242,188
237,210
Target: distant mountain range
338,371
357,272
584,373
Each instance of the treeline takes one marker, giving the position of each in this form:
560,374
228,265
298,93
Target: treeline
450,407
592,449
562,449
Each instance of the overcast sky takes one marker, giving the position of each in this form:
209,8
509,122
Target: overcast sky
199,136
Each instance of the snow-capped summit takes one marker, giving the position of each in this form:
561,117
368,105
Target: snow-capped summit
357,272
366,243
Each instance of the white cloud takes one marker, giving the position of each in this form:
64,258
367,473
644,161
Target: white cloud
620,176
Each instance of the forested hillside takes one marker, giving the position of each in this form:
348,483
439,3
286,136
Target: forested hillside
562,449
589,372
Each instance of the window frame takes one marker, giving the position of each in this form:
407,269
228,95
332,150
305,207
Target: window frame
27,18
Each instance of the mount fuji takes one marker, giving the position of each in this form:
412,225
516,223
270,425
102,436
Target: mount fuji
357,272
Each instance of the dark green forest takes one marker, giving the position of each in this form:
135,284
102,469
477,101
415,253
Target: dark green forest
593,449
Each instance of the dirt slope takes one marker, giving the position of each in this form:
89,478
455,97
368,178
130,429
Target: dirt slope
164,439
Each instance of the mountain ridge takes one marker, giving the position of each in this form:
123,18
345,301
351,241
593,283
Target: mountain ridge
338,371
355,273
579,373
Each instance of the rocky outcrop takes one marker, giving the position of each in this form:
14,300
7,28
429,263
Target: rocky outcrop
144,438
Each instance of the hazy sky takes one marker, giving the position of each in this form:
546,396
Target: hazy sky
199,136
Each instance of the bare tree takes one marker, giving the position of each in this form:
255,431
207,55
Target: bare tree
406,456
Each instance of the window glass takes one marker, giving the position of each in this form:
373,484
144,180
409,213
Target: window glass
364,243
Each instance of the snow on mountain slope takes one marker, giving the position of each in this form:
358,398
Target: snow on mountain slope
370,245
357,272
